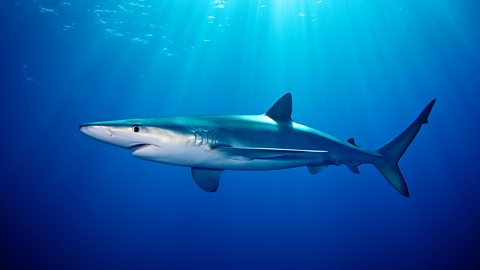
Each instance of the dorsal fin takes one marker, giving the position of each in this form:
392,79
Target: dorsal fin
281,111
352,141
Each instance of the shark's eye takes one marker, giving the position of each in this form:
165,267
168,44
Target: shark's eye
136,128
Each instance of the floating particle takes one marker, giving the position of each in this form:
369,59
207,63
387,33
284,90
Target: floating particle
46,10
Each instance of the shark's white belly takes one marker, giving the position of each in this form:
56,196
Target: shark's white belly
204,157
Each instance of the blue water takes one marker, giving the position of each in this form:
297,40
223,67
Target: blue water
362,69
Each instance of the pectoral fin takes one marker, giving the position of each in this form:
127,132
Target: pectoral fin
270,153
207,179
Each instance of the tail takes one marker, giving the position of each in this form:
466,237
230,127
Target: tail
391,152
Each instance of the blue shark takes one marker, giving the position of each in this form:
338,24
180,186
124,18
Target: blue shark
270,141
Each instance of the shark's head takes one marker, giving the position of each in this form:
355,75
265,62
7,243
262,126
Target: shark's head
145,138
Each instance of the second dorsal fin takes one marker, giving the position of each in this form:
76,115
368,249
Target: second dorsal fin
352,141
281,111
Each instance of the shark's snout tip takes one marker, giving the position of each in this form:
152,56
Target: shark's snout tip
83,128
96,131
86,128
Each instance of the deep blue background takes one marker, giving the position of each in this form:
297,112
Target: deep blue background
355,68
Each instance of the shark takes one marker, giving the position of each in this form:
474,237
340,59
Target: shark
210,145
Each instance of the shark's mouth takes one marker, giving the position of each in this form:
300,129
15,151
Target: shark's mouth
139,146
144,150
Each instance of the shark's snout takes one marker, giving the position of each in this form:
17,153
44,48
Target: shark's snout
119,135
97,132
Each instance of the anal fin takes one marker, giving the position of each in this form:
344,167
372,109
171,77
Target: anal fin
353,168
316,169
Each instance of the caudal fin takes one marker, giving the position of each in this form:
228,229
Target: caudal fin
391,152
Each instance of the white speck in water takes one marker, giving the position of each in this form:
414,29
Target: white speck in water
122,8
114,32
104,11
66,27
139,40
219,3
46,10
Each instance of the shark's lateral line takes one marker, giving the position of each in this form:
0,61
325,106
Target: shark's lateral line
211,144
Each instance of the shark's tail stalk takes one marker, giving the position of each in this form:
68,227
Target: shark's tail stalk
391,152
